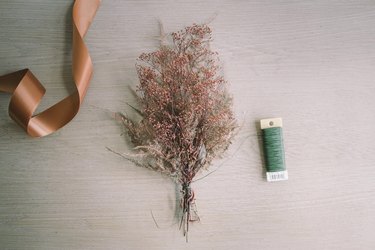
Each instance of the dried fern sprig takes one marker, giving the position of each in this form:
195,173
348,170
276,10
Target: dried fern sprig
186,112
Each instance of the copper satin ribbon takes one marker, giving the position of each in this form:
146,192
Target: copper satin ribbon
27,90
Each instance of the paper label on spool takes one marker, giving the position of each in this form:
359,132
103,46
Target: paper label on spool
271,123
277,176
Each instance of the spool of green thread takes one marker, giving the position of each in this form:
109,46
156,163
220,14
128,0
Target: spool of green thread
273,148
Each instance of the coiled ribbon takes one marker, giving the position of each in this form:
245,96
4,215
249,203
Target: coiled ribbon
27,91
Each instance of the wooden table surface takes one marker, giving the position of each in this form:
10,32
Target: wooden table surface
310,62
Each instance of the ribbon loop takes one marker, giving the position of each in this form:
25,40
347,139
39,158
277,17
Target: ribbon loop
27,91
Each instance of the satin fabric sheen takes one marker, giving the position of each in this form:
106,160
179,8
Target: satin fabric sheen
27,91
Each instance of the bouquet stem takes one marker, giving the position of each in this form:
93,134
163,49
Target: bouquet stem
189,213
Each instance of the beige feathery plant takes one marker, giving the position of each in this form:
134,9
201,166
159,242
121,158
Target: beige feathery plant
186,112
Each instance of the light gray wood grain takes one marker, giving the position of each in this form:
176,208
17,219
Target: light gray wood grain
310,62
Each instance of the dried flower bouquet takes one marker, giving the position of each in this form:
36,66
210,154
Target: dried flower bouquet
186,112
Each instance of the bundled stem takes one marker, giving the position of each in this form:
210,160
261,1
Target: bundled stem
186,203
186,112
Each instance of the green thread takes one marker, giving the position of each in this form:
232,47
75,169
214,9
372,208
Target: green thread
273,149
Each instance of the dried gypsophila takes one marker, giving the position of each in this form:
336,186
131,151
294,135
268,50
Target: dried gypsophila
186,112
